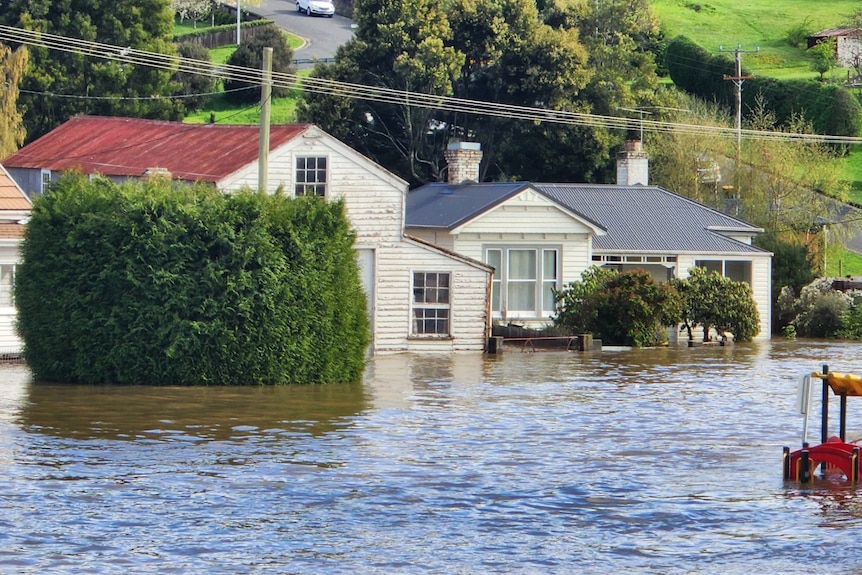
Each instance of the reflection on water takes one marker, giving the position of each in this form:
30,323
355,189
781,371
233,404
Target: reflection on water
191,413
649,461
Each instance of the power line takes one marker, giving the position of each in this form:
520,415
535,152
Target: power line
382,94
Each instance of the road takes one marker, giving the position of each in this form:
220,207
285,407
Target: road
322,35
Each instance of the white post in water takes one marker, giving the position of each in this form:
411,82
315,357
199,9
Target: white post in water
803,403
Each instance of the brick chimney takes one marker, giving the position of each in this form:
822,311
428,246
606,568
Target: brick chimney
463,159
633,165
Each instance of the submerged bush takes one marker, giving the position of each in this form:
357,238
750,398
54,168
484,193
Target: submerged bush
152,283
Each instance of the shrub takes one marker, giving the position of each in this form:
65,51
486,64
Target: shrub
250,55
824,317
154,283
797,36
622,308
851,322
195,87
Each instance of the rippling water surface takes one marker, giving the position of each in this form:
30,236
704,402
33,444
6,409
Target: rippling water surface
653,461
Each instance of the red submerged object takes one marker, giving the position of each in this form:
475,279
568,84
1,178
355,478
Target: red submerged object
834,454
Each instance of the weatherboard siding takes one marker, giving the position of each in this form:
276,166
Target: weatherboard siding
395,266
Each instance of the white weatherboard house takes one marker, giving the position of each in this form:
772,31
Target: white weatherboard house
14,211
541,236
422,297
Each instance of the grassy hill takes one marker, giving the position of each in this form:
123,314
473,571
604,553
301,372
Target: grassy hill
754,24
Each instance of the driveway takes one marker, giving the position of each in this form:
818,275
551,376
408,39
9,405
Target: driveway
322,35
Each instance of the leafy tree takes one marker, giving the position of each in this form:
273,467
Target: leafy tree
402,45
718,303
782,179
195,88
823,57
250,55
97,86
193,10
502,52
684,160
792,268
12,131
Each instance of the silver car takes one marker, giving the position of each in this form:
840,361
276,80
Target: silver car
318,7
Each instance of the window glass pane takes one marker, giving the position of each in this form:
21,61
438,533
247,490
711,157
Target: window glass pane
548,296
494,258
522,264
521,296
549,264
710,265
7,283
738,271
310,176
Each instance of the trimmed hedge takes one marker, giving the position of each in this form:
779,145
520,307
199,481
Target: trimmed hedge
831,109
167,284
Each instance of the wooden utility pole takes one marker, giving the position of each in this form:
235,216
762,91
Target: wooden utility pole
738,79
265,101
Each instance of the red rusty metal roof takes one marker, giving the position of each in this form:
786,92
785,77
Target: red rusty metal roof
130,146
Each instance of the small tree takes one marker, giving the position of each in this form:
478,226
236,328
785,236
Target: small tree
717,302
12,131
572,313
250,55
824,57
196,88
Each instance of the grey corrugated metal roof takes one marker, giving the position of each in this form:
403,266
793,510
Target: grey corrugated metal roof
441,205
645,219
650,219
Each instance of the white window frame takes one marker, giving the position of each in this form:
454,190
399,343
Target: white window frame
8,273
46,178
314,187
435,307
721,264
499,256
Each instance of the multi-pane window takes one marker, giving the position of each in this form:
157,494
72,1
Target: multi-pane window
7,285
524,280
311,176
431,303
737,270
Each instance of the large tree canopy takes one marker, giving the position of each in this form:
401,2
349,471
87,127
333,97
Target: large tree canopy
496,51
99,86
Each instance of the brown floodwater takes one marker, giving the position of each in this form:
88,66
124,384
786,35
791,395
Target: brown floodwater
649,461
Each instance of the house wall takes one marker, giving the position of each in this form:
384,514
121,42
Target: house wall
395,265
374,202
849,51
10,343
28,179
761,274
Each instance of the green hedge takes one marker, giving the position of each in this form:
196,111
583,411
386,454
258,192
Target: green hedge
831,109
157,283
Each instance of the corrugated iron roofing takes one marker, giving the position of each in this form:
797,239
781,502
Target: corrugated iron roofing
442,205
130,146
650,219
638,219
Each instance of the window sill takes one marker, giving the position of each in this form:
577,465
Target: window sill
433,337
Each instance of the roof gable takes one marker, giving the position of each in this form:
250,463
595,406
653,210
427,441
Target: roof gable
11,196
453,206
130,146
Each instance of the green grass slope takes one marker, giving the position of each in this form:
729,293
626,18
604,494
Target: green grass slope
754,24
